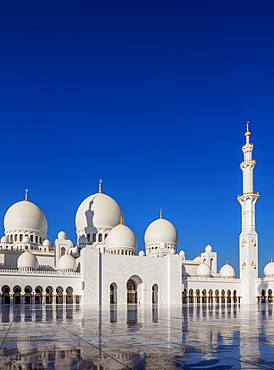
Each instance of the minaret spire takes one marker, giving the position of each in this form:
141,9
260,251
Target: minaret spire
161,213
100,186
248,237
26,194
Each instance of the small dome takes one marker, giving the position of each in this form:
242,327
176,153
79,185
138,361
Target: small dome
203,270
27,260
198,259
4,239
26,239
182,254
269,269
25,215
98,210
67,262
62,235
46,243
227,271
141,253
121,236
208,248
159,230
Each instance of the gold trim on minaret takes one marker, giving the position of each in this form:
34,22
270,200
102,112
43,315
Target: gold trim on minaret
161,213
26,194
247,133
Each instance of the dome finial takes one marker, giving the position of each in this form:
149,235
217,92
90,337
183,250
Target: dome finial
248,133
26,194
121,220
100,186
161,213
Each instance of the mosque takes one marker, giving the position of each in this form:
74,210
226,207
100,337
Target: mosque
103,268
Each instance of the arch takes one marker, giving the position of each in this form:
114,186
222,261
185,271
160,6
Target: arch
31,238
63,251
113,293
204,296
20,237
15,237
223,296
69,295
5,294
131,291
100,238
184,294
229,296
59,295
11,238
28,295
263,296
93,238
155,293
106,236
49,291
38,295
269,298
191,294
40,240
198,295
217,295
210,296
88,238
235,296
17,294
36,239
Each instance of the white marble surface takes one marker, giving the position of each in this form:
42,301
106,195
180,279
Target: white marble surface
193,337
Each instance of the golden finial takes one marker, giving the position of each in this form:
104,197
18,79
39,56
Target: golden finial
248,133
121,220
161,213
26,194
271,259
226,262
100,186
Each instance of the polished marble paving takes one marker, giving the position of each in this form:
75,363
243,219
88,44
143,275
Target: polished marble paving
203,336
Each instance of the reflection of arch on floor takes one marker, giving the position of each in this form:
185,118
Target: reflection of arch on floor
49,291
28,296
210,296
204,296
184,296
17,295
198,295
154,293
113,293
269,295
69,296
38,295
217,296
6,294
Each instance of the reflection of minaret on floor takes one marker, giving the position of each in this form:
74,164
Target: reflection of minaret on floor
248,238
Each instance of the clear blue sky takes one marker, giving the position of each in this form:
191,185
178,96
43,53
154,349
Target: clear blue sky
150,96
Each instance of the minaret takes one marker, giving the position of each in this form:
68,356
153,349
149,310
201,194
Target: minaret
248,237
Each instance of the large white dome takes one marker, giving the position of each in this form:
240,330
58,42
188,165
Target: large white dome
121,236
159,230
67,262
27,260
227,271
203,270
269,269
98,210
25,215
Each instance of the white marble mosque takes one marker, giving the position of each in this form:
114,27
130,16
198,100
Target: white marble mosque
103,268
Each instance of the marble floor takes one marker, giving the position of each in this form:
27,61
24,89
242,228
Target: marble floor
203,336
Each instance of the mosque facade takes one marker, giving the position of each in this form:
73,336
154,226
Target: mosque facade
103,267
